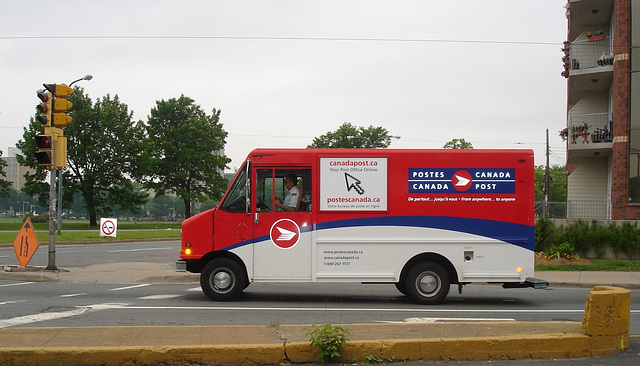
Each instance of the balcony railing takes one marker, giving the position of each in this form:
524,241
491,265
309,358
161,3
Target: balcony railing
575,209
585,54
591,128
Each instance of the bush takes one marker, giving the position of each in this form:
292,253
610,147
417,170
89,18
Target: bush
544,234
39,218
329,340
625,238
564,250
584,237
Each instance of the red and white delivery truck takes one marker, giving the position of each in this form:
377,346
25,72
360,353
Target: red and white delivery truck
419,219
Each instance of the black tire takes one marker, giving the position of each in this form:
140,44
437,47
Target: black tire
427,283
222,279
401,287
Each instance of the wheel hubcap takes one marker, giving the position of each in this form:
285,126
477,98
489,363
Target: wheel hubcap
222,280
428,283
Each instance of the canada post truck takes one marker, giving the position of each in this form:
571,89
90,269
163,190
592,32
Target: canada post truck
419,219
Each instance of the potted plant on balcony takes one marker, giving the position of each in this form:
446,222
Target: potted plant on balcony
599,36
564,133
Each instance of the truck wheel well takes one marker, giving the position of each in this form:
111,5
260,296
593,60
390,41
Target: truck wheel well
197,266
430,257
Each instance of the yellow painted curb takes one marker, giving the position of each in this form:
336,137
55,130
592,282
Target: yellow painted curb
229,354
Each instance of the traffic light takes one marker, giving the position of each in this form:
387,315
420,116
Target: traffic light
44,108
61,152
61,105
44,154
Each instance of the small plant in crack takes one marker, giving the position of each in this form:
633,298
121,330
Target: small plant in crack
328,340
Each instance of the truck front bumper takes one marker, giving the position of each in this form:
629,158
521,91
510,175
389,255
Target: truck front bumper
181,265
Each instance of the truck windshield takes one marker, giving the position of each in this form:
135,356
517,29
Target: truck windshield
236,198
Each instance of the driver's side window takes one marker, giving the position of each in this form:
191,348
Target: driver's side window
264,190
271,185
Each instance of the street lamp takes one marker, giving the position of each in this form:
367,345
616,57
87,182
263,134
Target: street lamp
86,77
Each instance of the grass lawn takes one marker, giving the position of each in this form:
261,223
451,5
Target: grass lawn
79,230
609,265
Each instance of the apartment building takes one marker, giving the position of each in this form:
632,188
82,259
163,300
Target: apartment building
601,61
15,172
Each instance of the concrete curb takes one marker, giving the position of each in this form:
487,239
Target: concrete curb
455,349
604,330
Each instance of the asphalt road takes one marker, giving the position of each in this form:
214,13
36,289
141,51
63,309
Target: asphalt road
42,304
262,304
70,256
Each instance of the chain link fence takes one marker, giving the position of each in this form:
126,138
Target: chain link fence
574,209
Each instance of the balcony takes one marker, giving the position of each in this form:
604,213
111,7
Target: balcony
589,66
589,134
588,54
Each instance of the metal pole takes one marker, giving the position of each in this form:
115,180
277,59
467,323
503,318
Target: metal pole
546,179
52,211
59,213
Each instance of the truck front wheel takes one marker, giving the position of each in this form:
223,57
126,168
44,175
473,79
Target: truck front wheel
427,283
222,280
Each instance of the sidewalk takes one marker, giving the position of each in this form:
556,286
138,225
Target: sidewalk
289,343
143,272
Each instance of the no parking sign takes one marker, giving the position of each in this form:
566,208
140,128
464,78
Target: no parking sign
108,227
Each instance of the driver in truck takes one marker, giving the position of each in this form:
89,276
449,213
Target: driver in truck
292,199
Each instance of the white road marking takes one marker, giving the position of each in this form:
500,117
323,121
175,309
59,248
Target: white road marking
441,320
130,287
159,297
35,318
17,284
138,250
11,302
74,295
195,289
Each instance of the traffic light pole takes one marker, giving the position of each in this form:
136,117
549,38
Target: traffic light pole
52,212
53,116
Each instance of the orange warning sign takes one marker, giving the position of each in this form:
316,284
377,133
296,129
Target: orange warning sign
26,243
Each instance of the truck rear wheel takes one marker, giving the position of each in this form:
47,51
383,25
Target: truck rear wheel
427,283
222,280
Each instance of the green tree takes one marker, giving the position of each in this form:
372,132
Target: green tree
458,144
186,147
166,205
350,136
5,185
104,152
557,183
34,183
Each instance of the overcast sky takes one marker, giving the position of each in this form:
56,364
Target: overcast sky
283,72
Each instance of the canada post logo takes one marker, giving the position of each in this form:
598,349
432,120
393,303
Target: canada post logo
456,180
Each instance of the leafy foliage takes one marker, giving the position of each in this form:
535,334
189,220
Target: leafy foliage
34,183
328,340
104,151
564,250
557,183
5,185
544,234
185,150
458,144
584,236
349,136
372,359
